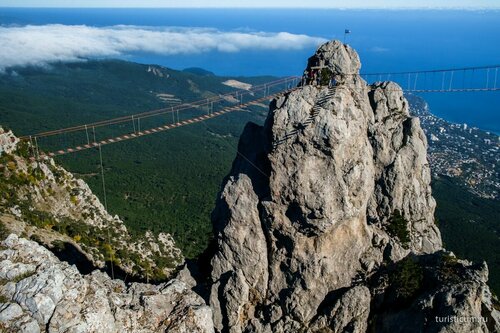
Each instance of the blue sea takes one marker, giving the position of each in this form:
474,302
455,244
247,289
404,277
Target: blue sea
387,40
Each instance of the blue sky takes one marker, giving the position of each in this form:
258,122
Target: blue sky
257,3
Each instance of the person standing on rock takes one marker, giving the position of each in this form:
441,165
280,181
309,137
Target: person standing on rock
333,82
305,77
314,77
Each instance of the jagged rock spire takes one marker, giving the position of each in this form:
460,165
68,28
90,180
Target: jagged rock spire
334,187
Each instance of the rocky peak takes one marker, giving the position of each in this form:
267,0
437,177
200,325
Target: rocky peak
336,58
332,190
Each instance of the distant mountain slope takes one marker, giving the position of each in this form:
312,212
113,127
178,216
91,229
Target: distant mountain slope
198,71
165,182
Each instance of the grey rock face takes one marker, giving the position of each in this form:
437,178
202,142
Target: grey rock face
454,298
46,295
8,141
333,185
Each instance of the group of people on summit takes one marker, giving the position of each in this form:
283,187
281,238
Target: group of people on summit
319,75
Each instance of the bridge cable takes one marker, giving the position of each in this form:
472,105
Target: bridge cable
496,72
111,259
235,147
32,146
36,148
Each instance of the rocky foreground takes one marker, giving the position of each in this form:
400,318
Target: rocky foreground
324,224
45,294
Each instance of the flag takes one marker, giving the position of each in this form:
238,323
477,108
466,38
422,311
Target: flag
347,31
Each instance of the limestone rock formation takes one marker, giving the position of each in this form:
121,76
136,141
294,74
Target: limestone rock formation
42,200
8,141
332,190
42,294
453,297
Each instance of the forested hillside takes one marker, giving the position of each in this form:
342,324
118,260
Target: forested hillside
469,225
164,182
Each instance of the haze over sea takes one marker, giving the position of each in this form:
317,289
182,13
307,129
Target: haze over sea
387,40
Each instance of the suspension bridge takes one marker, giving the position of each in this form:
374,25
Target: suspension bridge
465,79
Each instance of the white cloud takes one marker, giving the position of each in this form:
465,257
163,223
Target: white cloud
40,45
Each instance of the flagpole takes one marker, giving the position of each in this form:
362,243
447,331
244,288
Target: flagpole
346,32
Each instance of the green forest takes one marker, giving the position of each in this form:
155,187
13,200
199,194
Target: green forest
169,181
163,182
469,225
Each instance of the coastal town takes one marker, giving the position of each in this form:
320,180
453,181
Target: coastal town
464,152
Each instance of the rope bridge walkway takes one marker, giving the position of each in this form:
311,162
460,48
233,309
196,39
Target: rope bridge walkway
466,79
238,101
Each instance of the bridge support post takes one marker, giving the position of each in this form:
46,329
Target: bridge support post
36,149
87,133
32,146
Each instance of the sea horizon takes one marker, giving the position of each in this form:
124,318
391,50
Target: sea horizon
440,38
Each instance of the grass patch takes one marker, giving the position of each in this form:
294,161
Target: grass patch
4,232
398,227
3,299
407,280
22,276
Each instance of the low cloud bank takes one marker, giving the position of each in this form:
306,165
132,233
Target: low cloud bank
41,45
